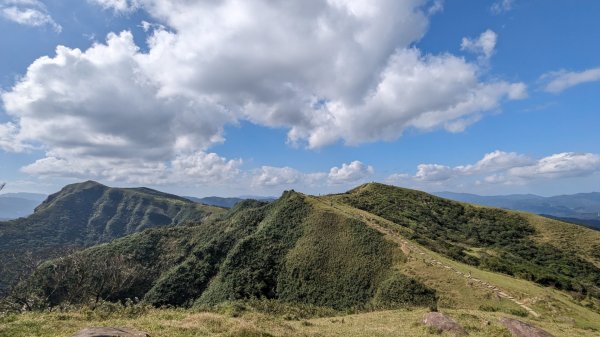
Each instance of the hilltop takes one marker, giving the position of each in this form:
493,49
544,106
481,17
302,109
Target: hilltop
89,213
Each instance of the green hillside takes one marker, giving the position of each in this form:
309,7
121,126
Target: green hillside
373,248
89,213
288,250
492,239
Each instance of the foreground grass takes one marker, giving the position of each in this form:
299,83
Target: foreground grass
180,323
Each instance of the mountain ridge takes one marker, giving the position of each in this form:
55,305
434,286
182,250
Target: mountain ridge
373,247
89,213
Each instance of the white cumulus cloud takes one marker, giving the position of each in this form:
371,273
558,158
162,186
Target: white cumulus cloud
346,174
560,165
350,173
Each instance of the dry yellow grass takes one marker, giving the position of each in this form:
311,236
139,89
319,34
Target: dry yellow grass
180,323
582,241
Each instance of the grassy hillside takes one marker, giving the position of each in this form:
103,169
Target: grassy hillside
89,213
289,250
512,243
373,248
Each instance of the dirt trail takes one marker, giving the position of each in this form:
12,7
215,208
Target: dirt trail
408,248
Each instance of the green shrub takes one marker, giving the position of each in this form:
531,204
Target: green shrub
401,291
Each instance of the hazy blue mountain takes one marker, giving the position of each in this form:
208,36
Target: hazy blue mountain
584,206
16,205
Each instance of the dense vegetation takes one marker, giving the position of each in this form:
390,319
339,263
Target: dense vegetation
288,251
493,239
312,251
86,214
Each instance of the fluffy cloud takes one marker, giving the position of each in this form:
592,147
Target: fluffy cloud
500,167
327,70
99,104
559,81
484,44
433,172
276,176
27,12
561,165
350,173
196,168
496,161
491,162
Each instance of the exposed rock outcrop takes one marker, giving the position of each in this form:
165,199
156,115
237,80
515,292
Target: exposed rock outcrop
522,329
439,321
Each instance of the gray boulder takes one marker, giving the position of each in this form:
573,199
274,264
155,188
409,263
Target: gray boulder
441,322
522,329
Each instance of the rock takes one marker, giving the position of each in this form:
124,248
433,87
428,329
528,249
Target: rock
441,322
110,332
522,329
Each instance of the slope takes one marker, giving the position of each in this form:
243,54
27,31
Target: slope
289,250
89,213
517,244
375,247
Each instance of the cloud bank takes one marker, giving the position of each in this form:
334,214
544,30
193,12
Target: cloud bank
507,168
328,71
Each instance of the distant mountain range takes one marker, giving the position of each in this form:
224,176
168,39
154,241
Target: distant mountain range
581,208
16,205
228,202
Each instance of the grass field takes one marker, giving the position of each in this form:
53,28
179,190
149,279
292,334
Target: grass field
180,323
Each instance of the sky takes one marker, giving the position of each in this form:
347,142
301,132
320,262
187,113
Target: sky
237,97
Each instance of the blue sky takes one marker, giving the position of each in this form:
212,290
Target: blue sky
232,98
